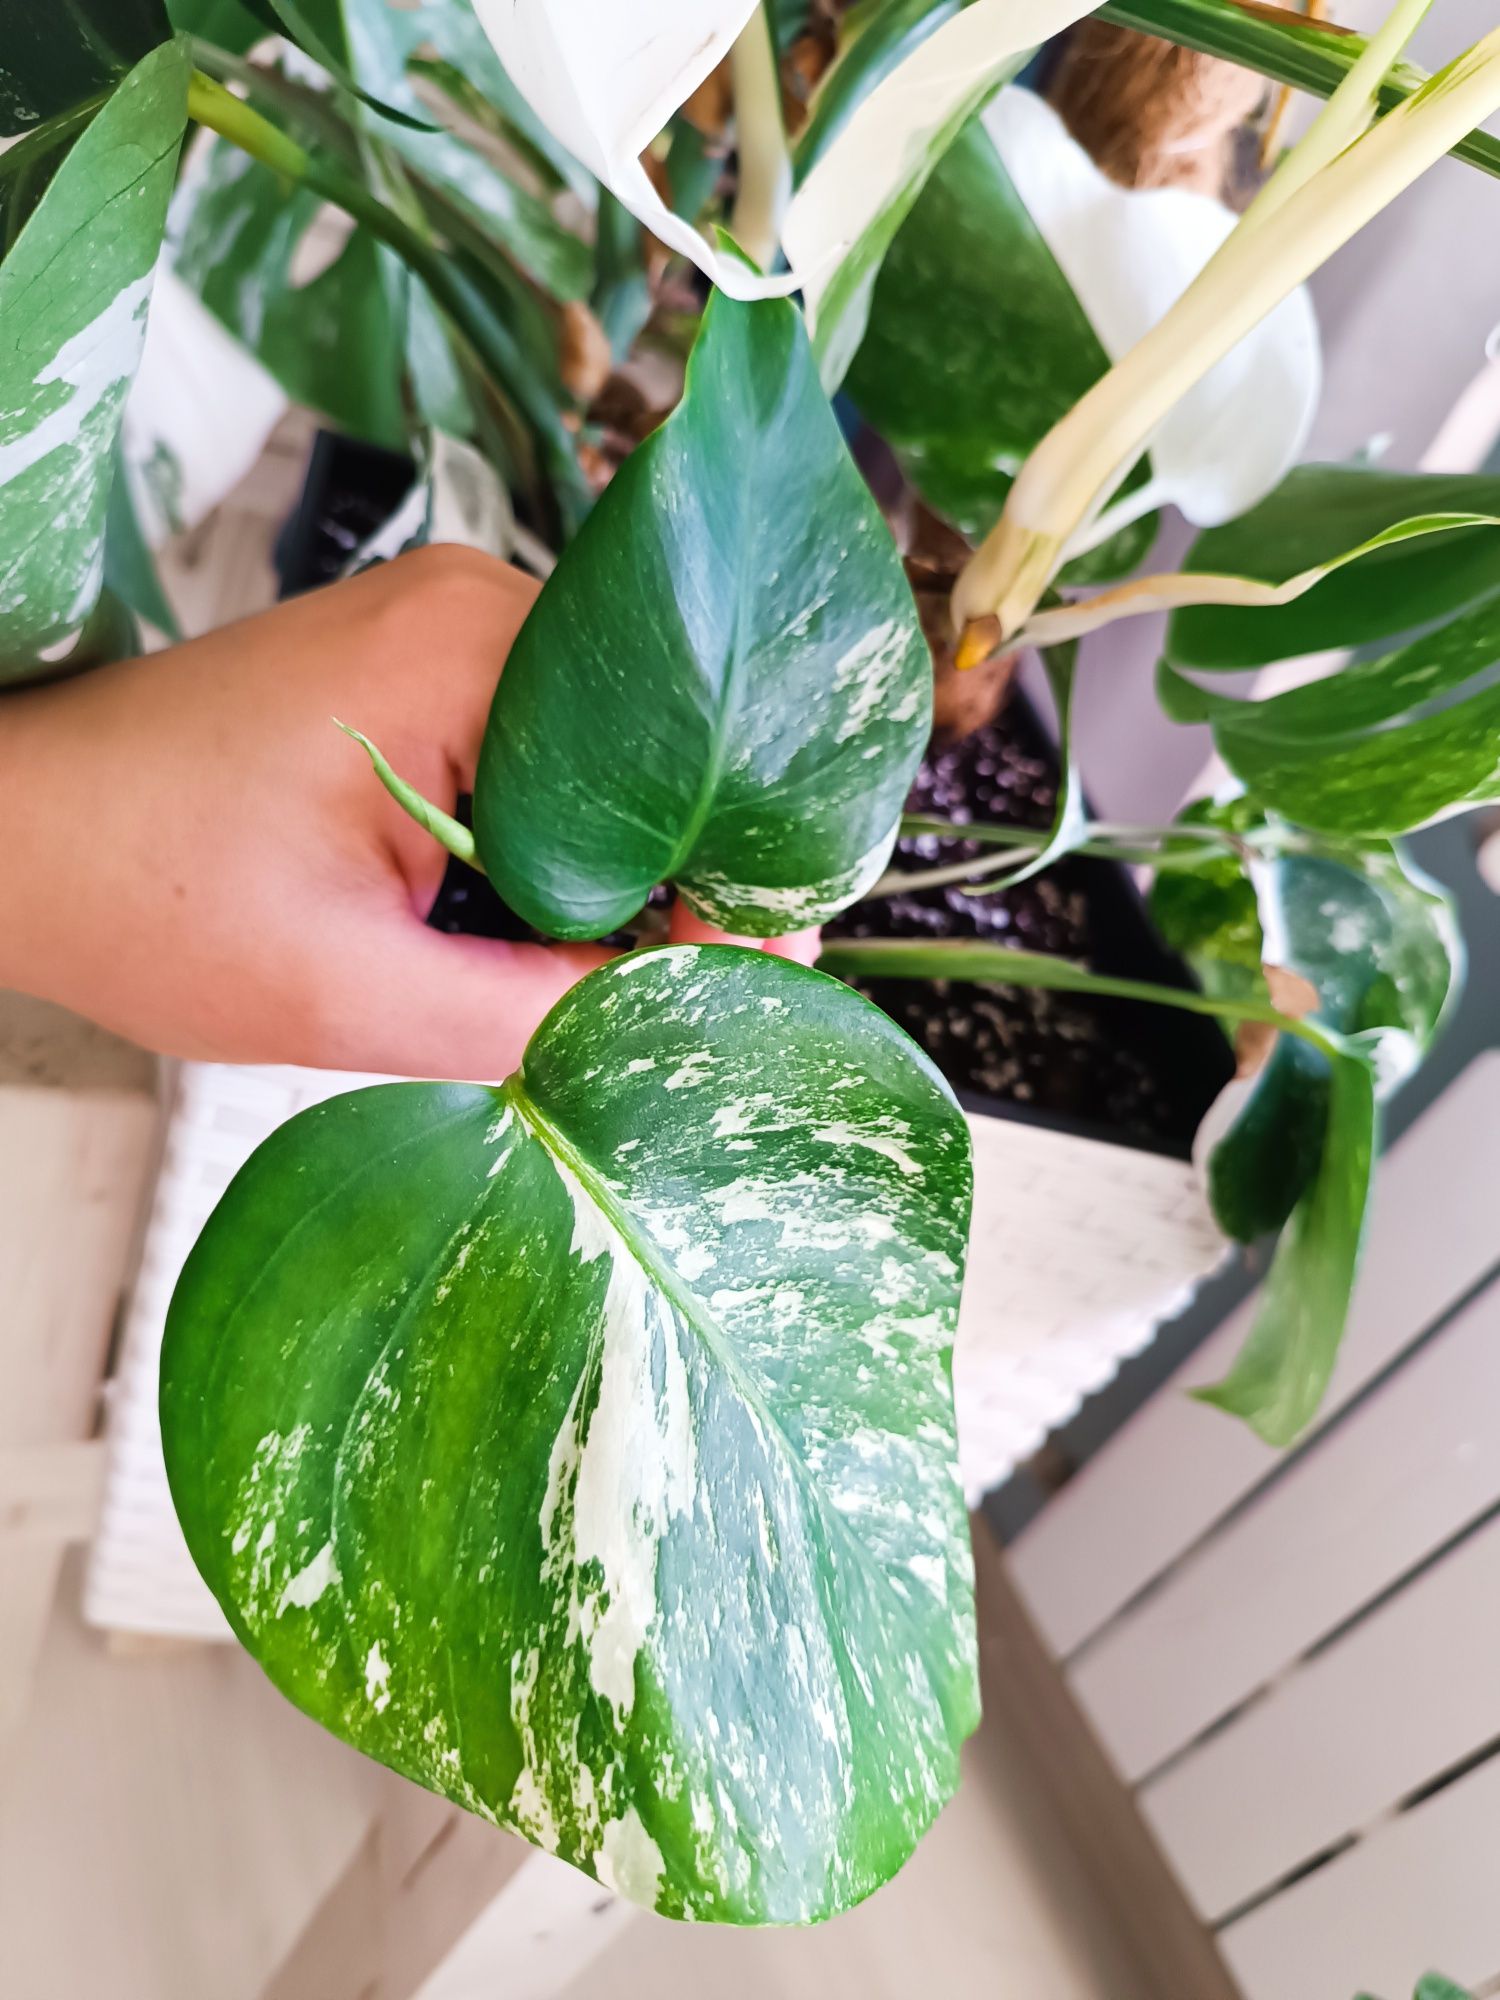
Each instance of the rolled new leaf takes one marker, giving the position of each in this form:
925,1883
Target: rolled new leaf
584,1449
725,684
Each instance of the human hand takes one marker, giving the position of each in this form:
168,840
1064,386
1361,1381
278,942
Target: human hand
201,862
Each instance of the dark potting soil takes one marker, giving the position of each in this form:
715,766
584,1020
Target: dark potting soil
1141,1074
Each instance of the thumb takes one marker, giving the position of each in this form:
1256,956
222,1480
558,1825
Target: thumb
803,946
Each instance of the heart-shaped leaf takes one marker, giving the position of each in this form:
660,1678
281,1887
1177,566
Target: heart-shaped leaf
725,683
584,1448
1314,519
54,56
74,293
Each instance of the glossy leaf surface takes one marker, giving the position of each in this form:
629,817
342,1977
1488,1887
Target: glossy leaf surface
1316,516
734,611
55,54
965,394
1380,747
584,1449
862,188
74,294
1378,943
1282,1373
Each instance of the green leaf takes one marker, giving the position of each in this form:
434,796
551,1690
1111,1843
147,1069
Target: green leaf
1314,56
54,55
224,24
335,344
1378,942
868,52
1317,516
379,44
862,188
1435,1987
443,827
1283,1370
1378,748
129,566
74,292
584,1449
735,613
964,395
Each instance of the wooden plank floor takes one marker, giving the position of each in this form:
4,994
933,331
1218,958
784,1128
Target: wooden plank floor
167,1824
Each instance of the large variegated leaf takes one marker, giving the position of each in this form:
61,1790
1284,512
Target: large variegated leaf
1377,748
734,613
605,79
56,53
862,188
74,293
584,1448
1369,548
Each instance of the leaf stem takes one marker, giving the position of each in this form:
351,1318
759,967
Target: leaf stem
765,164
894,958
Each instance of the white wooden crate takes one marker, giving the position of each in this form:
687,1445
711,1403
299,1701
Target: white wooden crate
1293,1658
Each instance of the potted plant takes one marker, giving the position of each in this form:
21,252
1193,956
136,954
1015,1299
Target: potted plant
583,1446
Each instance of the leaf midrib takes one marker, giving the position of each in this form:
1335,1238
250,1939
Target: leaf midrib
692,1311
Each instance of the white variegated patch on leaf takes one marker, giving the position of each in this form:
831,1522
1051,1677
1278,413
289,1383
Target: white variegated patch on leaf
74,294
584,1449
862,188
1129,255
605,78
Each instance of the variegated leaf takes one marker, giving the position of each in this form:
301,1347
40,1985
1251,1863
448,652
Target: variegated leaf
74,293
605,79
736,614
584,1448
862,188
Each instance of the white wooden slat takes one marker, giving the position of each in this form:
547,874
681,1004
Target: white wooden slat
1410,1691
1420,1895
1419,1461
1177,1468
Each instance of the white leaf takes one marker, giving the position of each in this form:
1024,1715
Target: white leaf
1129,254
199,416
855,198
605,76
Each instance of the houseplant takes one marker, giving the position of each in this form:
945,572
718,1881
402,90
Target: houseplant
584,1448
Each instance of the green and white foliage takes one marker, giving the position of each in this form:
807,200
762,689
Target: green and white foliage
584,1448
1378,944
1377,748
737,586
1049,271
1375,553
606,79
74,293
863,185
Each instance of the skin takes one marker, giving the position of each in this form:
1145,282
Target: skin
209,867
